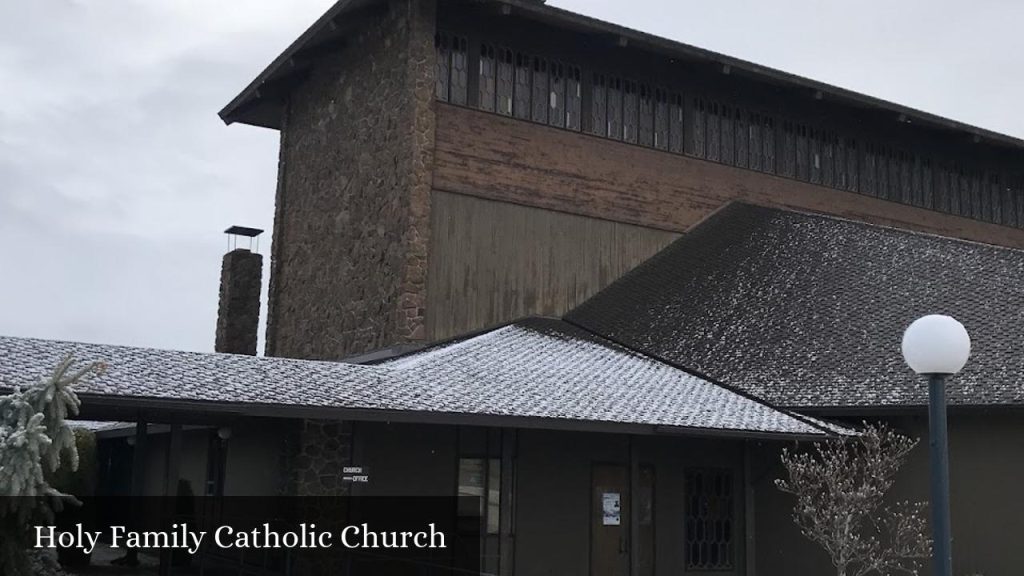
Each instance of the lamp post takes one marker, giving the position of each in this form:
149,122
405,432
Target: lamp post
938,346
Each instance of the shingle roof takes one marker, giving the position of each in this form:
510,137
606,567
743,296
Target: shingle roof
551,369
808,311
173,375
536,368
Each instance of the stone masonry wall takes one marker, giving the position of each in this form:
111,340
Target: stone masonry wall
238,312
352,219
323,448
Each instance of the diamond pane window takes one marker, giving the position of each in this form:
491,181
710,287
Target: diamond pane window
710,522
488,78
459,70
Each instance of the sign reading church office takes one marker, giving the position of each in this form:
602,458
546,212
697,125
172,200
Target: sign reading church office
182,537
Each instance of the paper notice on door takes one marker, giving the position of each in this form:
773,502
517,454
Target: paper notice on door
611,506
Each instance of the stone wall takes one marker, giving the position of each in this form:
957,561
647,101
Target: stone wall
352,218
322,448
238,313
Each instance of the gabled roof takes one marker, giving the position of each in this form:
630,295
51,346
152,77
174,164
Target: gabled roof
808,311
538,372
550,369
260,102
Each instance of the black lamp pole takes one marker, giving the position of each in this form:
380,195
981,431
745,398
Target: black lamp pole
942,555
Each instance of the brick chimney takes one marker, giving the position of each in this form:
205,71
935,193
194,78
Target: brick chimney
238,313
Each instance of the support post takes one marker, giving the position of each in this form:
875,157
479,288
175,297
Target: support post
634,509
506,566
173,472
749,508
942,554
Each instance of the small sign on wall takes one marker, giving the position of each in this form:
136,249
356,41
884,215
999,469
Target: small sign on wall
357,474
611,505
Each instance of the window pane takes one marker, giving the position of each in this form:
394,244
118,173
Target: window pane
459,72
599,106
505,82
710,538
521,95
488,78
471,484
444,56
493,496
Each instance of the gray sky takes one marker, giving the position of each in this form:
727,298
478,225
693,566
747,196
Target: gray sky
117,177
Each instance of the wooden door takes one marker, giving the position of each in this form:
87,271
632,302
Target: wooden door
609,520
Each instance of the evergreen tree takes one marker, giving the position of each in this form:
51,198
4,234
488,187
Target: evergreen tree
34,437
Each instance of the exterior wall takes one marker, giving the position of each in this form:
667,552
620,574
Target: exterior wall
492,262
352,216
323,448
985,477
553,484
489,156
407,459
552,494
255,454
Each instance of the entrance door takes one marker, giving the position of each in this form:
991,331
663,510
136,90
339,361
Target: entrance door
609,520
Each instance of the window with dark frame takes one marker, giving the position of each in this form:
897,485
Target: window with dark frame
573,98
479,485
676,122
556,116
712,132
550,91
630,108
442,45
727,155
645,123
599,105
710,519
487,84
661,114
459,70
540,96
505,81
615,108
521,95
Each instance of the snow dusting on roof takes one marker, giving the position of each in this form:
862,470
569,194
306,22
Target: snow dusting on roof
550,369
536,368
809,311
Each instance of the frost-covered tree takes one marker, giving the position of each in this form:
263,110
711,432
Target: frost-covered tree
34,437
840,487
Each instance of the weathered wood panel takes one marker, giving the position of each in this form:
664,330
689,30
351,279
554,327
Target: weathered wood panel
492,262
485,155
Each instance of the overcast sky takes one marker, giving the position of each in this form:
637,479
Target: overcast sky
117,178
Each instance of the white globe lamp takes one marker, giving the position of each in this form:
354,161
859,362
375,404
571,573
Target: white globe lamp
938,346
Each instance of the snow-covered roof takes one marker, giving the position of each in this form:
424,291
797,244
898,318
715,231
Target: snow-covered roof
550,369
808,311
539,369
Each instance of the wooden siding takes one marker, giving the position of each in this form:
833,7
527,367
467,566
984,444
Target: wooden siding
492,262
493,157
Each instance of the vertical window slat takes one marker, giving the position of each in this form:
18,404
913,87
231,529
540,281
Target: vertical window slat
488,68
460,71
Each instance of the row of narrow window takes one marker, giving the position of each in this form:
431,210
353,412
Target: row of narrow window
550,91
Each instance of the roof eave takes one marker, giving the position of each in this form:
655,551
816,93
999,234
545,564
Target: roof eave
253,105
672,48
128,408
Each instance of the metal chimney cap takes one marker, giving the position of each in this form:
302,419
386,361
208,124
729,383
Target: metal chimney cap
244,231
